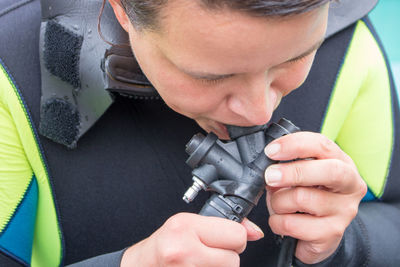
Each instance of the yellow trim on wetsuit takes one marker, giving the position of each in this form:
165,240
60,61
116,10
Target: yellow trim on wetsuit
359,107
20,143
15,171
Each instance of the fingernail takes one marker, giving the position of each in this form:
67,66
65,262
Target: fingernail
272,149
273,175
256,228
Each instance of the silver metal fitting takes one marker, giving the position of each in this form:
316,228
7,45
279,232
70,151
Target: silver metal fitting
192,192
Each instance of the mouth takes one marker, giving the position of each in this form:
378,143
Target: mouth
220,130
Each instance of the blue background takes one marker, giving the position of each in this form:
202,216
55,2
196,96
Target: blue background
386,19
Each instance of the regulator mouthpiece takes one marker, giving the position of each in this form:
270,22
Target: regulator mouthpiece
233,170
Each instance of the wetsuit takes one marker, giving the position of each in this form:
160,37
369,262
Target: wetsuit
126,176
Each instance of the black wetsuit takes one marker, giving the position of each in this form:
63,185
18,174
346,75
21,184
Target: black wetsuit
128,174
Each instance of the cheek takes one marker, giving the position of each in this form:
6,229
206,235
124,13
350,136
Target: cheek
185,95
179,92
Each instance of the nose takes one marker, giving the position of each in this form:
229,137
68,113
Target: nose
250,100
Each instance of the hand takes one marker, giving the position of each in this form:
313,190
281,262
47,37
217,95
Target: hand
188,239
312,200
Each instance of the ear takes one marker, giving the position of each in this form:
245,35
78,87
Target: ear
120,14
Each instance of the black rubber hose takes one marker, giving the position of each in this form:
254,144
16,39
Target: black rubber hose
286,254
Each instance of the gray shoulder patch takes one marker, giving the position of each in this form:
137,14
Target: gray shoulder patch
59,121
343,13
61,53
71,53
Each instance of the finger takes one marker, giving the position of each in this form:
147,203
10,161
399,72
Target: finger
269,191
181,253
307,199
333,174
305,145
307,227
253,231
222,233
217,257
211,231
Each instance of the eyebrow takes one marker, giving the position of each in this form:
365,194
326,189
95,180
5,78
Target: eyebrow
212,76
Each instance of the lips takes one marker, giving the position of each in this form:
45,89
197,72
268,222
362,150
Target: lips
220,130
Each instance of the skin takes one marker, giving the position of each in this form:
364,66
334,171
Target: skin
226,67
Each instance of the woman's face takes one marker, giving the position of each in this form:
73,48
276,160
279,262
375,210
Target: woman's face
226,67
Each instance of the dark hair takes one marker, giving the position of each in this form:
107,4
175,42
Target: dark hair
144,14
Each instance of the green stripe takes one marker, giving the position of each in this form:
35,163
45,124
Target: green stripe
47,245
359,115
15,171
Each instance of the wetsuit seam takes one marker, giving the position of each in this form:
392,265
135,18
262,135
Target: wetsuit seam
367,241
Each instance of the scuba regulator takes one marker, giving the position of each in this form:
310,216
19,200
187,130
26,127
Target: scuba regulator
234,172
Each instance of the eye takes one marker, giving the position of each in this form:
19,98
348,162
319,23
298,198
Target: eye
212,81
295,60
299,59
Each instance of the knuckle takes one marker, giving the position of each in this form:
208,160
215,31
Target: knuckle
243,248
301,198
339,172
274,206
327,145
287,226
315,249
176,223
337,230
171,255
273,224
362,187
352,211
298,174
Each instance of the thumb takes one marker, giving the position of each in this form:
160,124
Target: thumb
253,231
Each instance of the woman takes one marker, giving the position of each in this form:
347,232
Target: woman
232,62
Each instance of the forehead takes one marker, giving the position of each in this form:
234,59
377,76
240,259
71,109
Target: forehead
192,35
